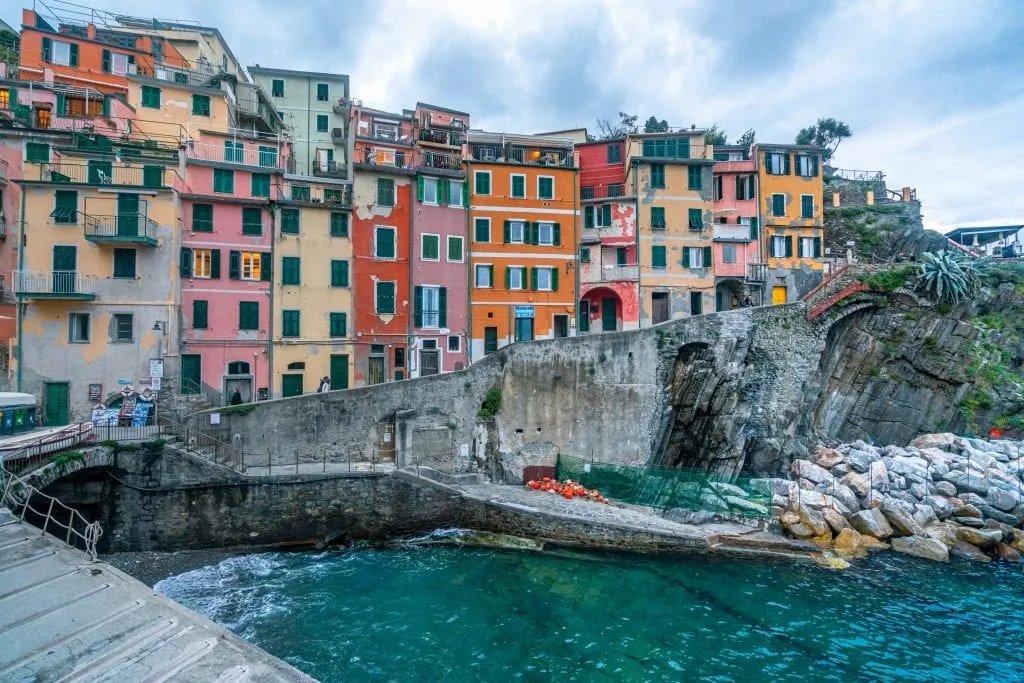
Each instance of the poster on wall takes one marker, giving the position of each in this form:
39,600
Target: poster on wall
95,392
105,417
141,414
156,368
128,405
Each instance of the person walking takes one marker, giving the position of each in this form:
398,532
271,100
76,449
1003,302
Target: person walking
325,385
236,398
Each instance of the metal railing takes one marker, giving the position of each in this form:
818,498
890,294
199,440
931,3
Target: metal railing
442,137
610,191
36,454
86,174
181,75
673,148
522,155
318,194
330,169
205,446
450,162
53,283
739,232
609,273
386,158
757,272
248,155
338,135
20,496
135,227
853,174
384,136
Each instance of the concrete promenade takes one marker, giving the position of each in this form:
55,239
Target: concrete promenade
65,618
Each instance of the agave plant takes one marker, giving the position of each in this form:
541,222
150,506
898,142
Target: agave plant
948,276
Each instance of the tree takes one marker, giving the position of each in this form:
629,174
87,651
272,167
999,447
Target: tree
606,130
653,125
748,138
714,136
826,133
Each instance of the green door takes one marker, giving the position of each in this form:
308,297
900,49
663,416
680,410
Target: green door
56,403
128,215
339,371
65,267
291,385
609,323
620,256
490,340
191,373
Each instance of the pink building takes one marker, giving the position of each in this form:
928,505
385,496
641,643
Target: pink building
609,276
226,264
440,294
736,245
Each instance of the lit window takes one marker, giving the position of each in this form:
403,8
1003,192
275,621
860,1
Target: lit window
251,262
202,260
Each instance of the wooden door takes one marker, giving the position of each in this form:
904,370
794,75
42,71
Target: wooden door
609,319
65,270
291,385
57,403
339,371
659,307
128,215
191,373
430,362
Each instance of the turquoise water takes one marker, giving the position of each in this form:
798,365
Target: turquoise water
453,614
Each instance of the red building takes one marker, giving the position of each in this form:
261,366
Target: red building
608,273
739,268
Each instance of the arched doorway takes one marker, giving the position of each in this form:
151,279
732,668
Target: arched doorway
603,311
729,294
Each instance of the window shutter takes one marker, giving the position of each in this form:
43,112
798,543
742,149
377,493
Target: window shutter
106,106
106,61
74,54
465,192
534,233
186,262
556,234
789,246
443,191
235,265
817,247
47,50
533,279
419,188
417,307
740,182
215,264
707,257
686,257
490,275
508,277
442,307
265,268
508,232
814,166
62,104
606,215
785,163
200,314
753,228
588,216
554,279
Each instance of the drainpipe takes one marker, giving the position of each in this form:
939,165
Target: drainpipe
636,239
412,290
470,235
270,294
21,263
576,247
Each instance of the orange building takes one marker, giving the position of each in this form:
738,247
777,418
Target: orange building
523,213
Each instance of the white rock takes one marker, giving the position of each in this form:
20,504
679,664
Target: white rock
806,469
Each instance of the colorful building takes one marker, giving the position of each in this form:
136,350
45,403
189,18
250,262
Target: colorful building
440,293
608,272
738,266
792,216
523,212
383,181
671,174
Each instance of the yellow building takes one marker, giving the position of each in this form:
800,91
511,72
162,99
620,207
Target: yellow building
97,274
791,211
313,318
670,174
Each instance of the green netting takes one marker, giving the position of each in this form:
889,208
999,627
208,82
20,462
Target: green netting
669,488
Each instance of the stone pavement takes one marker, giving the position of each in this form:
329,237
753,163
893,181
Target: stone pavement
64,617
318,468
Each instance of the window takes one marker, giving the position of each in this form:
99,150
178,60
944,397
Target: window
65,206
251,265
584,254
778,205
603,215
150,97
777,163
248,316
545,187
745,187
781,246
716,188
277,88
385,297
454,193
546,279
806,166
658,218
658,259
482,182
696,303
728,253
338,325
202,263
78,328
321,123
696,257
291,270
234,151
37,152
201,105
658,175
546,234
428,190
485,277
668,148
615,154
428,307
152,176
124,327
455,343
339,273
430,247
268,157
515,277
807,206
124,263
200,314
323,92
385,192
289,323
223,180
518,186
260,185
384,242
482,230
339,224
517,232
252,220
455,249
806,247
696,217
289,221
60,52
695,177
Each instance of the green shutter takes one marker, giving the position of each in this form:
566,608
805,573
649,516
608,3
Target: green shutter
556,234
235,265
417,306
588,217
106,61
482,231
266,268
534,228
606,215
202,218
554,279
185,262
786,163
658,256
533,279
339,224
339,273
753,228
419,188
508,232
707,257
289,221
153,176
200,314
584,254
215,264
74,54
789,246
290,323
259,185
291,270
338,325
47,50
248,315
442,306
686,257
817,247
61,104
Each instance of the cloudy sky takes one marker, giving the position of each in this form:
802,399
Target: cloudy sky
933,89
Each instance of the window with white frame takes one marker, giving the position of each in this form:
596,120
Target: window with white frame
484,277
728,253
202,260
696,257
806,166
517,232
251,262
430,303
545,187
455,194
544,279
546,233
455,343
61,53
456,250
776,163
78,328
430,247
516,277
118,63
806,247
779,246
430,190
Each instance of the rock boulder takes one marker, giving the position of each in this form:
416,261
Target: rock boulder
872,523
923,547
981,538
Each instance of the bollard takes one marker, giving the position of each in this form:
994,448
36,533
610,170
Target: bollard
325,461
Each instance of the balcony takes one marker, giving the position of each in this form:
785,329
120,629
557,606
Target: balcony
448,162
386,135
385,158
608,273
757,272
53,284
675,149
318,195
341,108
180,75
132,228
487,153
267,157
612,191
448,138
330,169
103,173
732,232
251,104
338,136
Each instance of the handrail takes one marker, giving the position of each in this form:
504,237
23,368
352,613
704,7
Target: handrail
32,455
18,495
200,443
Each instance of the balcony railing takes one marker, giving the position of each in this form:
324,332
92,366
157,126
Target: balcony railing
135,228
674,148
757,272
318,195
442,137
386,158
385,136
4,170
180,75
609,273
53,284
450,162
103,174
851,174
330,169
737,232
602,191
521,155
338,135
246,156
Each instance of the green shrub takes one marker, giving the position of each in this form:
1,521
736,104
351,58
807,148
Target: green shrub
491,404
948,276
891,279
240,409
63,459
